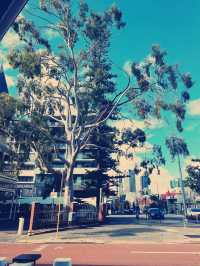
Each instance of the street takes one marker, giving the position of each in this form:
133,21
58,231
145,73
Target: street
123,240
111,254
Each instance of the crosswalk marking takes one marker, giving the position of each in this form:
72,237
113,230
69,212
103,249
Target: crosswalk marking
40,248
165,252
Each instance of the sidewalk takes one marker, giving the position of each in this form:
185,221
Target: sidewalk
118,229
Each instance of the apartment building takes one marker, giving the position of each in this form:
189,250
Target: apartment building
31,181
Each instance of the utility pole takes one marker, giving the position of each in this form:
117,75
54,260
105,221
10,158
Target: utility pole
182,191
59,205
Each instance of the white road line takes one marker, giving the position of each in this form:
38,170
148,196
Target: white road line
165,252
58,248
40,248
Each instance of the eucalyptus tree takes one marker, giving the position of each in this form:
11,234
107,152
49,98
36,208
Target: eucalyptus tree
19,135
177,147
73,83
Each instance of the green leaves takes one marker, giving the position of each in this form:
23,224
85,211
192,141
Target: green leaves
133,138
193,178
28,62
187,80
153,162
177,147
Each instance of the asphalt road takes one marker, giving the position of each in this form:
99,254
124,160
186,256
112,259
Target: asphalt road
110,254
122,241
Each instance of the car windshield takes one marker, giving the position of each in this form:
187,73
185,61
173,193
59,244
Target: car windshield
195,210
154,210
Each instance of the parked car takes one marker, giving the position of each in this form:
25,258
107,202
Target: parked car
128,211
155,213
193,213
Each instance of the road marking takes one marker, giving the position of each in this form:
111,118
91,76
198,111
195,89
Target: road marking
40,248
165,252
58,248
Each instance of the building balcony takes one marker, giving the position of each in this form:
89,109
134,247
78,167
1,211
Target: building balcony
83,171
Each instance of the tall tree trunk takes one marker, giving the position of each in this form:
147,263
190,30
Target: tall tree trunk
99,202
68,188
98,199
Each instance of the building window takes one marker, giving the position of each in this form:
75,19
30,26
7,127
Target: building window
25,178
86,164
27,167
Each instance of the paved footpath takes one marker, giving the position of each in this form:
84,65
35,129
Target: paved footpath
111,254
124,229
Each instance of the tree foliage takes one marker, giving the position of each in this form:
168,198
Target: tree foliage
133,138
177,146
104,140
154,161
74,84
193,177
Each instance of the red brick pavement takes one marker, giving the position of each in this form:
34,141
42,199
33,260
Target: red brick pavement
111,254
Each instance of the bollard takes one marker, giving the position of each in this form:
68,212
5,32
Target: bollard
3,262
21,226
71,217
31,219
62,262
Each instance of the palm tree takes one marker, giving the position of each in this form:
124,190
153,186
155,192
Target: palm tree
177,147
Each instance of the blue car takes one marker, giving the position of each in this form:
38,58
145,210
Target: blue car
155,213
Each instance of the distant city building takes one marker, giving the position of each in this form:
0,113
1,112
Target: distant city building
175,183
132,182
144,181
127,186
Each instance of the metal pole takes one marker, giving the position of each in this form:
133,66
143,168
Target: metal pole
182,191
31,219
59,203
11,208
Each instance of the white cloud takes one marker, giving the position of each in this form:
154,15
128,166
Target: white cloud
10,40
10,81
147,147
160,183
133,123
127,67
194,107
126,163
50,33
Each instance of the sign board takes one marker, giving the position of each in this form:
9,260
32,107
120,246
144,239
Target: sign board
54,195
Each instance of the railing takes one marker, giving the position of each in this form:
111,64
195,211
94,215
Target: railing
86,216
8,174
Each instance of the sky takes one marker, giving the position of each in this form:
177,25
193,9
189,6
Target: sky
175,25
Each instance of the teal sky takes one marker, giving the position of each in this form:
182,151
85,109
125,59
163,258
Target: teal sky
175,25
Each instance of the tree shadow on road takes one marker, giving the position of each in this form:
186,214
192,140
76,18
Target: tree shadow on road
126,220
122,232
